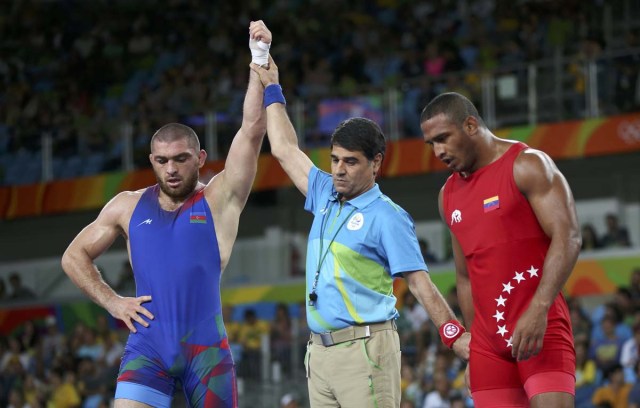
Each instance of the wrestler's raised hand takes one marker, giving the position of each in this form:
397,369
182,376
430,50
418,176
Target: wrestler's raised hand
259,42
130,309
529,332
268,76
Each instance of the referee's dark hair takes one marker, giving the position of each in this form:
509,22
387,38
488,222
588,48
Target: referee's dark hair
360,134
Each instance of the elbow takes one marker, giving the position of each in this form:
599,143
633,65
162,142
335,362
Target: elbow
575,242
279,151
65,261
68,261
255,127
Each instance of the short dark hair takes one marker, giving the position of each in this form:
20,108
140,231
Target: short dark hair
455,106
362,135
176,131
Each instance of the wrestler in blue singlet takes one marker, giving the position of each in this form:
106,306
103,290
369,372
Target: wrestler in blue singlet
176,260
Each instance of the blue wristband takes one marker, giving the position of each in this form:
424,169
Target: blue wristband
273,94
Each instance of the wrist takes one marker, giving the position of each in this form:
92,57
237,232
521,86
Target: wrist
259,52
273,94
450,331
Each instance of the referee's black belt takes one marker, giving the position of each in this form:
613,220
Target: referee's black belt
351,333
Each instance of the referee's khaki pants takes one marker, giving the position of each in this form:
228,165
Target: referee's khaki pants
359,373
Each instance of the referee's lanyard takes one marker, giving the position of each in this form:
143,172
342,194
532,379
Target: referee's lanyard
313,295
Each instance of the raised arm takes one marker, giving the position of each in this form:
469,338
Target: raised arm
282,136
242,160
551,199
91,242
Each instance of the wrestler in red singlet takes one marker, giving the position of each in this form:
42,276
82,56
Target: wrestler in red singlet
505,248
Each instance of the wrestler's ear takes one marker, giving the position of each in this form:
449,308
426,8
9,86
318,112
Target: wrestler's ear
471,125
202,157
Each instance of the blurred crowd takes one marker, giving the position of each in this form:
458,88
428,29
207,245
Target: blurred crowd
615,236
42,366
79,71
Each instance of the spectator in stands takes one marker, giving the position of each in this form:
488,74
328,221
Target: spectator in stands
439,397
113,349
302,333
634,288
612,310
281,337
580,323
10,377
624,300
90,347
413,327
590,239
53,341
615,392
29,336
634,394
429,257
250,337
16,399
410,384
18,290
585,373
64,392
629,354
92,382
616,235
606,351
3,290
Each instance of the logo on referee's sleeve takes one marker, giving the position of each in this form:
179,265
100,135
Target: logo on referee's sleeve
450,330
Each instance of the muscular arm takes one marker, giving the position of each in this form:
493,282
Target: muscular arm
242,160
282,136
91,242
551,199
227,193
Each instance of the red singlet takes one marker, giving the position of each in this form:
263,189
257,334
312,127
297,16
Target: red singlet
504,247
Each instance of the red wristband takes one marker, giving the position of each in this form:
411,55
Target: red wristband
450,331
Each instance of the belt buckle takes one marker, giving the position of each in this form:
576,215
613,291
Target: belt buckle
327,340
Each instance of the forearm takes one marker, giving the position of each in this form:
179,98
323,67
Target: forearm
430,298
84,274
282,136
254,118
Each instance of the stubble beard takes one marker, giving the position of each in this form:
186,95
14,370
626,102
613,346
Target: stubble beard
186,188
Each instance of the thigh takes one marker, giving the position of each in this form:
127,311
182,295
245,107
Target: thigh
501,397
491,372
319,368
209,378
558,361
143,380
551,389
126,403
366,372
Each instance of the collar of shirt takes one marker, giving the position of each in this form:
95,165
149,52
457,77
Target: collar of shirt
363,199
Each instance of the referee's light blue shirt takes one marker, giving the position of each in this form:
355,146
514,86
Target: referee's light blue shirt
374,240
